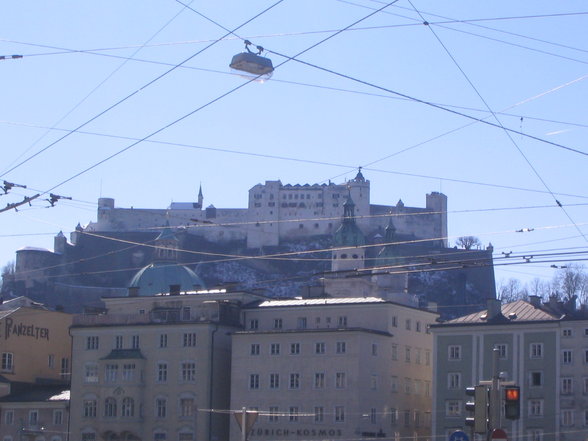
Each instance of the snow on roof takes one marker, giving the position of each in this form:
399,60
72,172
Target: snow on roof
34,249
61,396
322,301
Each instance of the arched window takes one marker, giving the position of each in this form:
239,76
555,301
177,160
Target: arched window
128,407
110,407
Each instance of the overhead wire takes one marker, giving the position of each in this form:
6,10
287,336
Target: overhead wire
94,89
507,133
117,103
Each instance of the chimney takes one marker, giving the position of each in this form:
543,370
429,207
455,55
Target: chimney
494,308
535,301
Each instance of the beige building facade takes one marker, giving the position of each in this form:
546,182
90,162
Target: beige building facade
333,368
154,367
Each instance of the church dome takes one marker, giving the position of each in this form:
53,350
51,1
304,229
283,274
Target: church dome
157,278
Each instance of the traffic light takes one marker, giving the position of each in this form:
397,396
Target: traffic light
479,407
512,402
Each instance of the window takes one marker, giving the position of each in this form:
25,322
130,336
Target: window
566,385
407,354
110,407
374,382
92,342
417,356
254,349
319,348
407,324
394,321
159,436
64,366
254,381
394,384
536,379
374,349
394,352
373,415
57,417
319,414
567,417
110,373
535,435
454,352
254,324
340,380
274,381
407,418
189,339
339,414
586,356
135,344
160,407
88,408
91,373
163,340
51,361
278,323
161,372
417,418
186,407
407,385
535,408
7,362
342,321
502,351
294,381
9,417
341,347
275,349
88,436
393,416
566,356
454,380
453,408
319,380
294,348
293,414
566,332
186,313
128,407
186,436
536,350
418,326
428,357
128,372
586,417
301,322
273,414
118,342
188,371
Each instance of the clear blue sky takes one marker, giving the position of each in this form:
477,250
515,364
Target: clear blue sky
519,59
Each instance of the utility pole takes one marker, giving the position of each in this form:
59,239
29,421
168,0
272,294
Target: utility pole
495,399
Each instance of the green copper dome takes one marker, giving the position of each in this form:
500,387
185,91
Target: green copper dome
157,278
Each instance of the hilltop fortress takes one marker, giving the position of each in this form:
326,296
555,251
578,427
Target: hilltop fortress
278,213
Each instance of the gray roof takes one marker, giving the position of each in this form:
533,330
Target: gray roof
30,392
515,312
321,301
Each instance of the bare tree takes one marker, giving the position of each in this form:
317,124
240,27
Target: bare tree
538,287
571,280
467,242
511,290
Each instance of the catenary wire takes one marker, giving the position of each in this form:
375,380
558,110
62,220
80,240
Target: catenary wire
146,85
